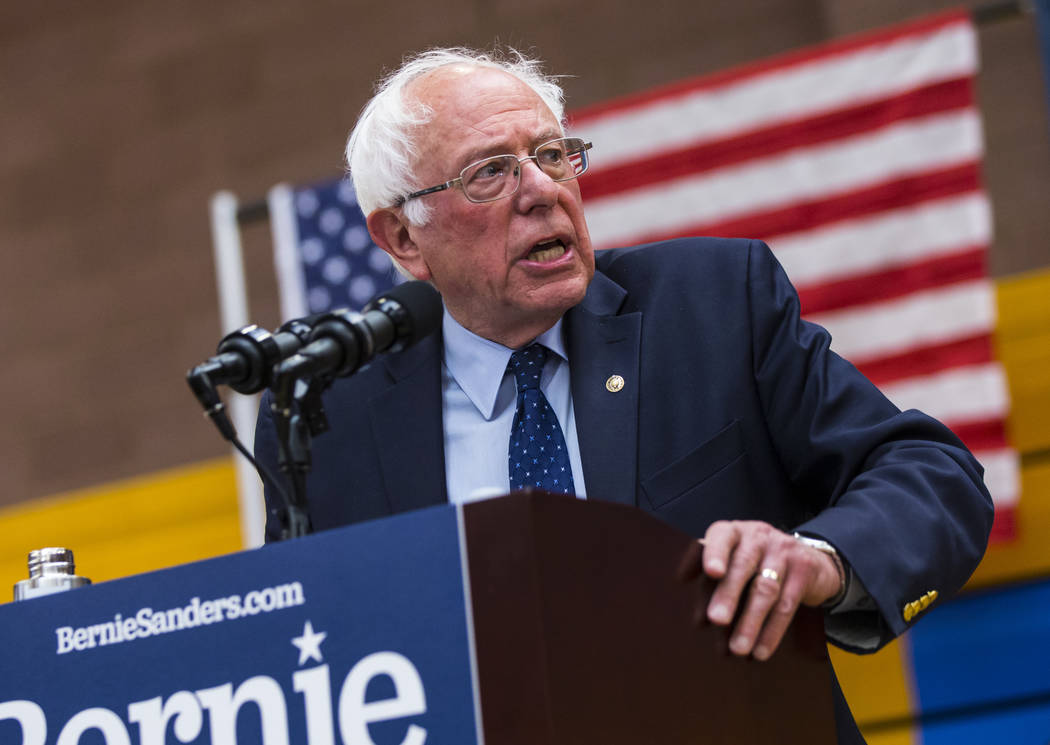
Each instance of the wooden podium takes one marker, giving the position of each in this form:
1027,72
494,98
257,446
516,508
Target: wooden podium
585,635
530,619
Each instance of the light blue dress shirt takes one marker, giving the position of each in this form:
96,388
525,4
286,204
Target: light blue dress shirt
478,401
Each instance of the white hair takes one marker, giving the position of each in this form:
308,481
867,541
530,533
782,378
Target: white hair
382,152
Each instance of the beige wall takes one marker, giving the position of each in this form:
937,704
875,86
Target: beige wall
119,120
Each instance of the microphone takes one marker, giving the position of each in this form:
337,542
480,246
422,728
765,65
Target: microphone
246,357
245,361
342,341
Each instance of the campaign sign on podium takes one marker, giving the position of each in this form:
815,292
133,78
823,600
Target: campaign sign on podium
578,627
361,636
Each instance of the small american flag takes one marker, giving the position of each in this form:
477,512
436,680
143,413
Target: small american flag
859,163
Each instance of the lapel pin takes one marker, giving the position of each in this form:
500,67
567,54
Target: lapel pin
614,384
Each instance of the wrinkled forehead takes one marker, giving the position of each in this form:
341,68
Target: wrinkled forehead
473,109
452,83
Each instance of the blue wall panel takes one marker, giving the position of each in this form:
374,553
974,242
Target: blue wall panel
982,667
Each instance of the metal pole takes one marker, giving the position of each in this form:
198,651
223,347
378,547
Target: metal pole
233,311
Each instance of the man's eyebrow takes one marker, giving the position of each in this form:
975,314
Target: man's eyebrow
481,153
550,134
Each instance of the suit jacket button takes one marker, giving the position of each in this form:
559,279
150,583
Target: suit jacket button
614,384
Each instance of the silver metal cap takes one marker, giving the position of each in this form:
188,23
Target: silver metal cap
50,570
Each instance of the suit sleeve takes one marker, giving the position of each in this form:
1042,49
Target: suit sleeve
897,493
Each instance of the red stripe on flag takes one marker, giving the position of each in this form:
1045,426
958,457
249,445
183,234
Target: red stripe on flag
937,271
663,167
812,214
930,359
988,434
838,48
1004,525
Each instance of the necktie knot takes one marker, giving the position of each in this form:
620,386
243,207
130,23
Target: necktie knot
527,364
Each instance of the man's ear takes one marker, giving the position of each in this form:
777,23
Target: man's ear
390,232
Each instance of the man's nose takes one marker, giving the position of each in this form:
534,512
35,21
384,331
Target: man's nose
536,188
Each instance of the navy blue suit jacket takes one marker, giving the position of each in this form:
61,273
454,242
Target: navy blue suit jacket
732,408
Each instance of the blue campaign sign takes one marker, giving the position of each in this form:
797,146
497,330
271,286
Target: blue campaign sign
353,636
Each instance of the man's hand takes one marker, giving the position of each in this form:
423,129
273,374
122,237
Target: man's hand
785,573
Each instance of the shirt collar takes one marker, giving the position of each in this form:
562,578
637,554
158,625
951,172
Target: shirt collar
478,365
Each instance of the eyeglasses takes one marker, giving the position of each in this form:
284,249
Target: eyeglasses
497,177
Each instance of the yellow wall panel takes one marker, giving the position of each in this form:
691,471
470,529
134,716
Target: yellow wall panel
902,736
129,527
1023,346
159,549
876,686
1027,555
1024,306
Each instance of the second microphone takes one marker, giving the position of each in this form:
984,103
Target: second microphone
342,341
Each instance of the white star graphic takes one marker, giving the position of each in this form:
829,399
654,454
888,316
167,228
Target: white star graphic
309,644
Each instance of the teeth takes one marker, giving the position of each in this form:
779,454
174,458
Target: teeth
548,251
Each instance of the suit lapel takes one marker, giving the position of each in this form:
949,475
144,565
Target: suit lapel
407,427
603,345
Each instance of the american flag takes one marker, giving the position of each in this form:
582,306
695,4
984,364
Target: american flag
859,163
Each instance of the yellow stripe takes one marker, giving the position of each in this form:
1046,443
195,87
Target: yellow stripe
903,736
1026,555
1023,346
161,520
876,687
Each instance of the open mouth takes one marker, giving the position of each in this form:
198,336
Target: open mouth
547,251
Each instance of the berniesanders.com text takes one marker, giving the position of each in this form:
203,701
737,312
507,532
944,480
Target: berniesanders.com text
147,622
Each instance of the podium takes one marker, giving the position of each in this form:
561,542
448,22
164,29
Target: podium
531,619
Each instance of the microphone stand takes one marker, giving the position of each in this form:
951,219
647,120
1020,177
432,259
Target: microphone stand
203,388
301,378
295,426
341,341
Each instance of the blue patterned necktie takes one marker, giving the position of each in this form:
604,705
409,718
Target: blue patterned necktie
537,456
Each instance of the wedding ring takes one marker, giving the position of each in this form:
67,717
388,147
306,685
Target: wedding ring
769,573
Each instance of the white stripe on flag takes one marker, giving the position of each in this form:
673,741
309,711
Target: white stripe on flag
1002,470
867,332
898,237
821,85
956,396
903,149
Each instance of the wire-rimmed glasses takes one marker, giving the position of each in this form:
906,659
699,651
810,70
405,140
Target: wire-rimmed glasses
499,176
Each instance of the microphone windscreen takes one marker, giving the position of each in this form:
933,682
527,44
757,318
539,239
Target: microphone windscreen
421,308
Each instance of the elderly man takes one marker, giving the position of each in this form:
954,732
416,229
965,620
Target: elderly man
675,377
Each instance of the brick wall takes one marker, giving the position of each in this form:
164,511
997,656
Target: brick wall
119,120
